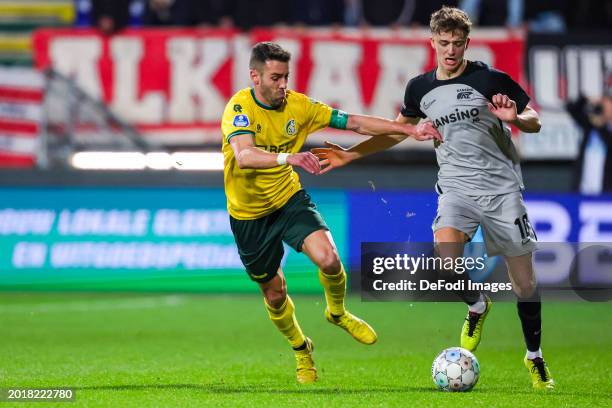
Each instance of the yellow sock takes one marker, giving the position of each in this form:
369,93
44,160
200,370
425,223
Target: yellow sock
284,319
335,290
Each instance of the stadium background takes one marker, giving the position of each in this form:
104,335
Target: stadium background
149,213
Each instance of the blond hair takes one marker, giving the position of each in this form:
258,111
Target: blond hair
450,19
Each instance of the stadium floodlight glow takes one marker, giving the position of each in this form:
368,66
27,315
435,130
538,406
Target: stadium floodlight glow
197,160
159,161
109,161
152,160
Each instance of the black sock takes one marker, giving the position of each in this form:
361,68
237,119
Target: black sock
469,296
529,311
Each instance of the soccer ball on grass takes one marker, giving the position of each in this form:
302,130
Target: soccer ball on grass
455,369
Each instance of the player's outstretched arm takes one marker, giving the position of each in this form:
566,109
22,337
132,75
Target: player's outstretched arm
333,156
504,108
249,156
375,126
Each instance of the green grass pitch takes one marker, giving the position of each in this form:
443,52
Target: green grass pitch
140,350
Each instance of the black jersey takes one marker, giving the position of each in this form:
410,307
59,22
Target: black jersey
477,156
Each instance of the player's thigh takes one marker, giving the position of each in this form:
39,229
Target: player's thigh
456,221
505,225
300,218
522,274
307,232
260,246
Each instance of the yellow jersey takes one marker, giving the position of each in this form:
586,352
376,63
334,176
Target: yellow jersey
255,193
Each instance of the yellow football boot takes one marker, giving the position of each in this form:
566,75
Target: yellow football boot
306,372
471,333
540,375
360,330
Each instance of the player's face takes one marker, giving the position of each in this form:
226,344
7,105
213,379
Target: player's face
449,47
272,82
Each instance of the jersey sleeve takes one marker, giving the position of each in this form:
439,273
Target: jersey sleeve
319,115
411,107
237,120
507,86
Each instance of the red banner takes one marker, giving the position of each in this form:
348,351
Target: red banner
178,80
21,100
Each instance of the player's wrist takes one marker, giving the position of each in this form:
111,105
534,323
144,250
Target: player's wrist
515,122
281,158
352,155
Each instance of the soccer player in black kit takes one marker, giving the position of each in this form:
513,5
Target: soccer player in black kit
479,180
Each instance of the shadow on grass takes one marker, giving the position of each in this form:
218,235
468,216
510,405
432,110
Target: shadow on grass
256,389
316,389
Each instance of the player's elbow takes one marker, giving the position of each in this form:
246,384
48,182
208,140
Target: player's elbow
538,126
242,159
535,127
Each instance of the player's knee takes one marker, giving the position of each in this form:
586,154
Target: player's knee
329,262
276,297
446,270
275,292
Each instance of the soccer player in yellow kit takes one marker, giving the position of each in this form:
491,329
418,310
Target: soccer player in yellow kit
264,128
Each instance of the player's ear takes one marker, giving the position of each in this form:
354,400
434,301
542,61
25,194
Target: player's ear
254,74
467,42
432,42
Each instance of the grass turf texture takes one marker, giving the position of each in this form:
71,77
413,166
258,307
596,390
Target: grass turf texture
193,350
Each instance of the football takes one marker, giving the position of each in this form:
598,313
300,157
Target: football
455,369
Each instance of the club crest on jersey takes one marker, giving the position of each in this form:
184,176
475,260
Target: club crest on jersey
241,121
464,93
290,128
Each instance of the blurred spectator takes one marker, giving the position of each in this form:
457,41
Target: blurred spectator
110,16
591,14
547,16
137,9
383,13
247,14
212,12
352,12
593,168
490,12
316,12
83,13
168,13
423,10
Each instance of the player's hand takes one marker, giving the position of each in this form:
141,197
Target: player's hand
332,156
305,160
503,108
425,130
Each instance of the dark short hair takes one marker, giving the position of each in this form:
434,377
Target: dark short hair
265,51
450,19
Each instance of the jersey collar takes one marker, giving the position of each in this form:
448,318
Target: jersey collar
466,70
261,104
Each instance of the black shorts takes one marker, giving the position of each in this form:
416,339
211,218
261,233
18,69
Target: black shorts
260,241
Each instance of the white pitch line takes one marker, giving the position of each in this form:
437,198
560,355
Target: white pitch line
95,305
